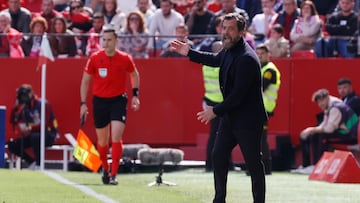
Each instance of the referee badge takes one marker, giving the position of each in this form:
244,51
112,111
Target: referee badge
103,72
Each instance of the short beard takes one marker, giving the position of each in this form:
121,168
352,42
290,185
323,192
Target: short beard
229,45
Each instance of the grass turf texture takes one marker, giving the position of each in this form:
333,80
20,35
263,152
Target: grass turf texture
193,186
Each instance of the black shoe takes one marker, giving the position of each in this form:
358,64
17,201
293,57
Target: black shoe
267,172
113,180
106,178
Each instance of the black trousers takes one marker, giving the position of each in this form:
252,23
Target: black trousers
250,145
265,149
18,146
214,126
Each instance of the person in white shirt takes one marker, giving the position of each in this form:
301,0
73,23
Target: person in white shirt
164,23
113,15
144,7
262,22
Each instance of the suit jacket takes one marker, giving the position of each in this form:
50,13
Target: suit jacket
240,83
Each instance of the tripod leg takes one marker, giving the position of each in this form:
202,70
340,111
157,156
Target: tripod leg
152,184
168,183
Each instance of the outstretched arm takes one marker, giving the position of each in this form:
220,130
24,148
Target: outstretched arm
180,47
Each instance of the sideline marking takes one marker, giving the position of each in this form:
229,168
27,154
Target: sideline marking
83,188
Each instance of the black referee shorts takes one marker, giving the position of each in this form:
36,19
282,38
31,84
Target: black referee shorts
108,109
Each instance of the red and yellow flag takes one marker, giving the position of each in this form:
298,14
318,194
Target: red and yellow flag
86,153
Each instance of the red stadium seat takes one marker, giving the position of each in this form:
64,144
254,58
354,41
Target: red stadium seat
353,148
307,54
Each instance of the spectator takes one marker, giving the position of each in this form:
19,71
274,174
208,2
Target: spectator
20,16
114,16
271,84
26,119
287,16
307,28
5,25
80,18
262,22
31,43
348,95
144,8
341,26
228,6
62,40
80,23
182,33
214,6
197,20
277,44
135,38
339,125
10,39
93,43
164,23
48,12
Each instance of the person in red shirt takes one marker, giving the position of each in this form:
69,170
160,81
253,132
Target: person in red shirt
108,68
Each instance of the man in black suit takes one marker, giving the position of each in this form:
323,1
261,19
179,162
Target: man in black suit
242,109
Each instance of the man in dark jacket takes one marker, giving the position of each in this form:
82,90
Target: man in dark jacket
348,95
242,109
341,26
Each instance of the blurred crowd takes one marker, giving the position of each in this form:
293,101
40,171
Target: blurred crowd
145,27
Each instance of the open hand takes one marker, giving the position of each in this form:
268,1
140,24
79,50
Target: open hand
180,47
206,115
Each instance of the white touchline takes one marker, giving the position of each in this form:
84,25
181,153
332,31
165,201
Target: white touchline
83,188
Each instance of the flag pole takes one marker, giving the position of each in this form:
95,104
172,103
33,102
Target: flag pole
42,125
45,54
